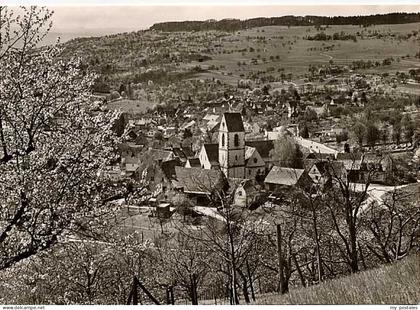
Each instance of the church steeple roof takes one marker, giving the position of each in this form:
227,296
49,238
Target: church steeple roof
234,122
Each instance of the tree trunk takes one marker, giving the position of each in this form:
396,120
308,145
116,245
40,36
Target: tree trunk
193,290
245,291
135,292
146,291
362,257
299,270
251,285
318,247
168,298
171,290
244,286
215,298
229,291
280,261
233,264
353,244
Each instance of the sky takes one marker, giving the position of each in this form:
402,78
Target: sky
98,17
140,17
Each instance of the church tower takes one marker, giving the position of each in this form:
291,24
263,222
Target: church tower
232,145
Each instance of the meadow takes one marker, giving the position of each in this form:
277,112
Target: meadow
285,49
131,106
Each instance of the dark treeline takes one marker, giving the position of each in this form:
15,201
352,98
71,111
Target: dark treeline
236,24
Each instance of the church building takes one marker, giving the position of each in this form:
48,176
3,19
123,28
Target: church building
235,157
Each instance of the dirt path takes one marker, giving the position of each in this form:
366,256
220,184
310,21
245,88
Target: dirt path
326,55
376,193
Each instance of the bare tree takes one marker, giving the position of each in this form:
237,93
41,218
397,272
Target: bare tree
232,236
287,153
188,263
345,200
393,226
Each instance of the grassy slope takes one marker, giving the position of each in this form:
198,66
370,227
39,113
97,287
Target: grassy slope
298,57
391,284
295,53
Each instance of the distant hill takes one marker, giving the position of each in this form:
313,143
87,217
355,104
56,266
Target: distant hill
237,24
396,283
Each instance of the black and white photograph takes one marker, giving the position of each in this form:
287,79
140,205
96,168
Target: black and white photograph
216,153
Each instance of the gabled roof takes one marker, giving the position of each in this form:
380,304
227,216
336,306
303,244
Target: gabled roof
178,152
331,168
187,125
263,147
323,156
234,122
187,151
130,147
321,166
163,155
248,152
336,169
249,185
212,126
283,176
194,162
349,156
132,133
141,139
212,117
212,151
197,180
168,167
183,153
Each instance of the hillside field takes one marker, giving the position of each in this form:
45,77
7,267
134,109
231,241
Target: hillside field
295,53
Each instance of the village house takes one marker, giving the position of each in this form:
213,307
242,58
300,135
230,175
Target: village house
130,158
325,173
190,125
141,123
264,148
183,153
209,156
364,167
254,164
198,183
168,131
280,178
246,193
159,175
248,162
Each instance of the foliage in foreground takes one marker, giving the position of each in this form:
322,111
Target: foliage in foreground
53,141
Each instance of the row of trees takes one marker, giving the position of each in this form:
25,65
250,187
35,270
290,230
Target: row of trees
236,24
306,236
322,36
367,130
